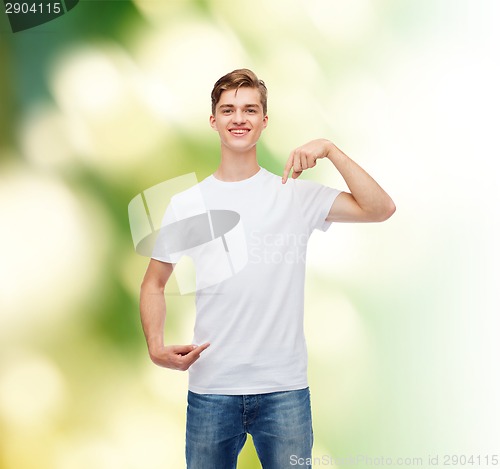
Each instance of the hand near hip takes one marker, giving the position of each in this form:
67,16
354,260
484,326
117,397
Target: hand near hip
177,357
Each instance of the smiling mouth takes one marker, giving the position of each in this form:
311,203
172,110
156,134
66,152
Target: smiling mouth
239,132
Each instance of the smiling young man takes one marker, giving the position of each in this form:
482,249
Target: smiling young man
252,375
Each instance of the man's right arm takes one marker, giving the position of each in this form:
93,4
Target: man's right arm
153,312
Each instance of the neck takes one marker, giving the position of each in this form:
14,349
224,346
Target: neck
237,166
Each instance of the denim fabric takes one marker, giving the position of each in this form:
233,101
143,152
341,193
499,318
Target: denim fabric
217,427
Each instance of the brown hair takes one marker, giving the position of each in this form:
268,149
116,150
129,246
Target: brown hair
236,80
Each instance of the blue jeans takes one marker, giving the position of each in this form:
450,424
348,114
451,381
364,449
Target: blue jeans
217,426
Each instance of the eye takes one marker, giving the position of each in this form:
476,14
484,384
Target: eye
251,111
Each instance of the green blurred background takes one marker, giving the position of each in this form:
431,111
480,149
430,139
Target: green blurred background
402,318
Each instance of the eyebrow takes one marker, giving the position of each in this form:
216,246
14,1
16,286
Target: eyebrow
232,106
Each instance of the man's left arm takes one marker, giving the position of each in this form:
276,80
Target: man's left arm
366,202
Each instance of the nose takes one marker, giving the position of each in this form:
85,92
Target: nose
238,116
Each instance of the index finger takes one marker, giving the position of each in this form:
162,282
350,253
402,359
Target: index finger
198,349
192,356
288,167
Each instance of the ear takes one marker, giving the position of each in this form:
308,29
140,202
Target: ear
213,123
265,121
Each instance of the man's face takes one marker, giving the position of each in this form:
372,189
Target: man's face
239,119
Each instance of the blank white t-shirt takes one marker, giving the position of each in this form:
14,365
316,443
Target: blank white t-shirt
253,318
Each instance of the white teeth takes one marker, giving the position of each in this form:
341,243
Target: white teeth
239,132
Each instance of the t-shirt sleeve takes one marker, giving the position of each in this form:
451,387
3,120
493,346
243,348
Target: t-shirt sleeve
160,250
315,201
